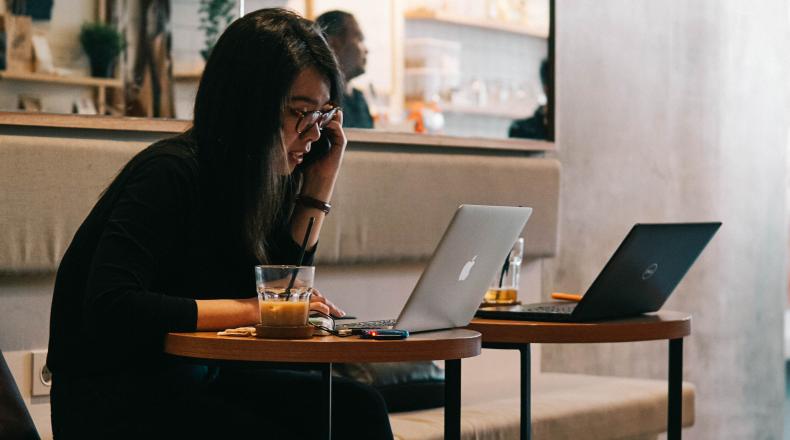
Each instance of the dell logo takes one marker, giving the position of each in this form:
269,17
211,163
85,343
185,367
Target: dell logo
650,271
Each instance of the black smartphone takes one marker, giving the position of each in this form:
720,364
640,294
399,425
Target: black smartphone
384,334
318,149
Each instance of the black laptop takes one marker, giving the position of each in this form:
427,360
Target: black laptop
644,270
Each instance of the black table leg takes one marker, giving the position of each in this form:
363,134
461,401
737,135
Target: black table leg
526,394
452,399
675,395
326,374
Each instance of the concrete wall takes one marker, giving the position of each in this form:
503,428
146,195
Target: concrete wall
675,111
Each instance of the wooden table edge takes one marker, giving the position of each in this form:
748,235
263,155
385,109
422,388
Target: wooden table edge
322,349
660,326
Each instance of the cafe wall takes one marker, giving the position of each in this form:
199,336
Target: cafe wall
374,19
188,40
676,111
496,79
62,33
465,68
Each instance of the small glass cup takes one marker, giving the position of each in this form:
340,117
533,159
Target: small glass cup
504,286
279,305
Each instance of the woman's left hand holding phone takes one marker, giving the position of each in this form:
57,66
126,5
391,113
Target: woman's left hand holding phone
319,179
320,176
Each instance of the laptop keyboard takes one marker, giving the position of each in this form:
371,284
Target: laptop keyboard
384,323
551,308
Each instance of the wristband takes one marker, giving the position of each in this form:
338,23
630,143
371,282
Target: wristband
313,203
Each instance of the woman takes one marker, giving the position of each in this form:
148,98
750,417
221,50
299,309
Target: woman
171,246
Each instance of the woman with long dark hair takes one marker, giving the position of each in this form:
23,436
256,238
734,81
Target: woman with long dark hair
171,245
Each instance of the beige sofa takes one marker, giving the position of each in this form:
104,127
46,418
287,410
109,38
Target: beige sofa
391,205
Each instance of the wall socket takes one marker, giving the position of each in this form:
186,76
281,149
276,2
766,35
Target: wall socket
42,378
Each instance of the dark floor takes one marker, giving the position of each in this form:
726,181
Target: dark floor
787,401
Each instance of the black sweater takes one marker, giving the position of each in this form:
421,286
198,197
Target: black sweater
142,257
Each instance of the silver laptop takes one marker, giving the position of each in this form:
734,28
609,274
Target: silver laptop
453,284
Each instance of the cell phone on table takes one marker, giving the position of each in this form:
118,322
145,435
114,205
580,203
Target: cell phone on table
381,333
318,149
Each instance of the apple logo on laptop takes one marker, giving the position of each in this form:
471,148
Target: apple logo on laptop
650,271
466,269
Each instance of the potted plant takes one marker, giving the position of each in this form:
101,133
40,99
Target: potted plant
215,16
103,43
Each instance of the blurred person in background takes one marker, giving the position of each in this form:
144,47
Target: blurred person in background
536,126
348,43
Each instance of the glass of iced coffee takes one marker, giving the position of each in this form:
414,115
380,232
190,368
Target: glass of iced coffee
504,286
284,300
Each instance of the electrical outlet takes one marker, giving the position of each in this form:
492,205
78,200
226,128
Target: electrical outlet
42,378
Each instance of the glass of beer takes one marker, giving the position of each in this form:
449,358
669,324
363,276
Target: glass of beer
504,286
284,294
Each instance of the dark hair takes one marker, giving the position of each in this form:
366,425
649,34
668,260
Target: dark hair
334,23
238,118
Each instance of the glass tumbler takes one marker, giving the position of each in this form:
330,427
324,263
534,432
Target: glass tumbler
504,286
279,304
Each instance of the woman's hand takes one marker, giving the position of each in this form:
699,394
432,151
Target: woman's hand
320,176
319,303
319,183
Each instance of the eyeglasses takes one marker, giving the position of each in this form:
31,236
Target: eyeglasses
307,120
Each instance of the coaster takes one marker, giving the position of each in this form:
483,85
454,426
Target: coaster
486,304
284,332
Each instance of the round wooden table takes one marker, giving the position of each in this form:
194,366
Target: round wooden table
518,335
321,352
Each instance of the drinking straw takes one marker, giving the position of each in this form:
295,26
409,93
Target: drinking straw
505,267
301,253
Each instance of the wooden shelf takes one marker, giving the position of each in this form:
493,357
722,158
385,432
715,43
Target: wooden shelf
443,17
356,136
471,109
187,75
66,80
492,111
382,137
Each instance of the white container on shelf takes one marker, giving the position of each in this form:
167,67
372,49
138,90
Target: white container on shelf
426,84
433,53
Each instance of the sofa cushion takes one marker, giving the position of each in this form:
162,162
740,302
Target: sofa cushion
49,186
388,206
564,406
394,206
405,386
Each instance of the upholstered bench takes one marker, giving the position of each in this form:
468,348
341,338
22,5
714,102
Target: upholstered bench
391,205
564,406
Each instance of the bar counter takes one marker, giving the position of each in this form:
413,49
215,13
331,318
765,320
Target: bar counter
355,135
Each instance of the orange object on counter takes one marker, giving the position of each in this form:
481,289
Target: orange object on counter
416,114
566,296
